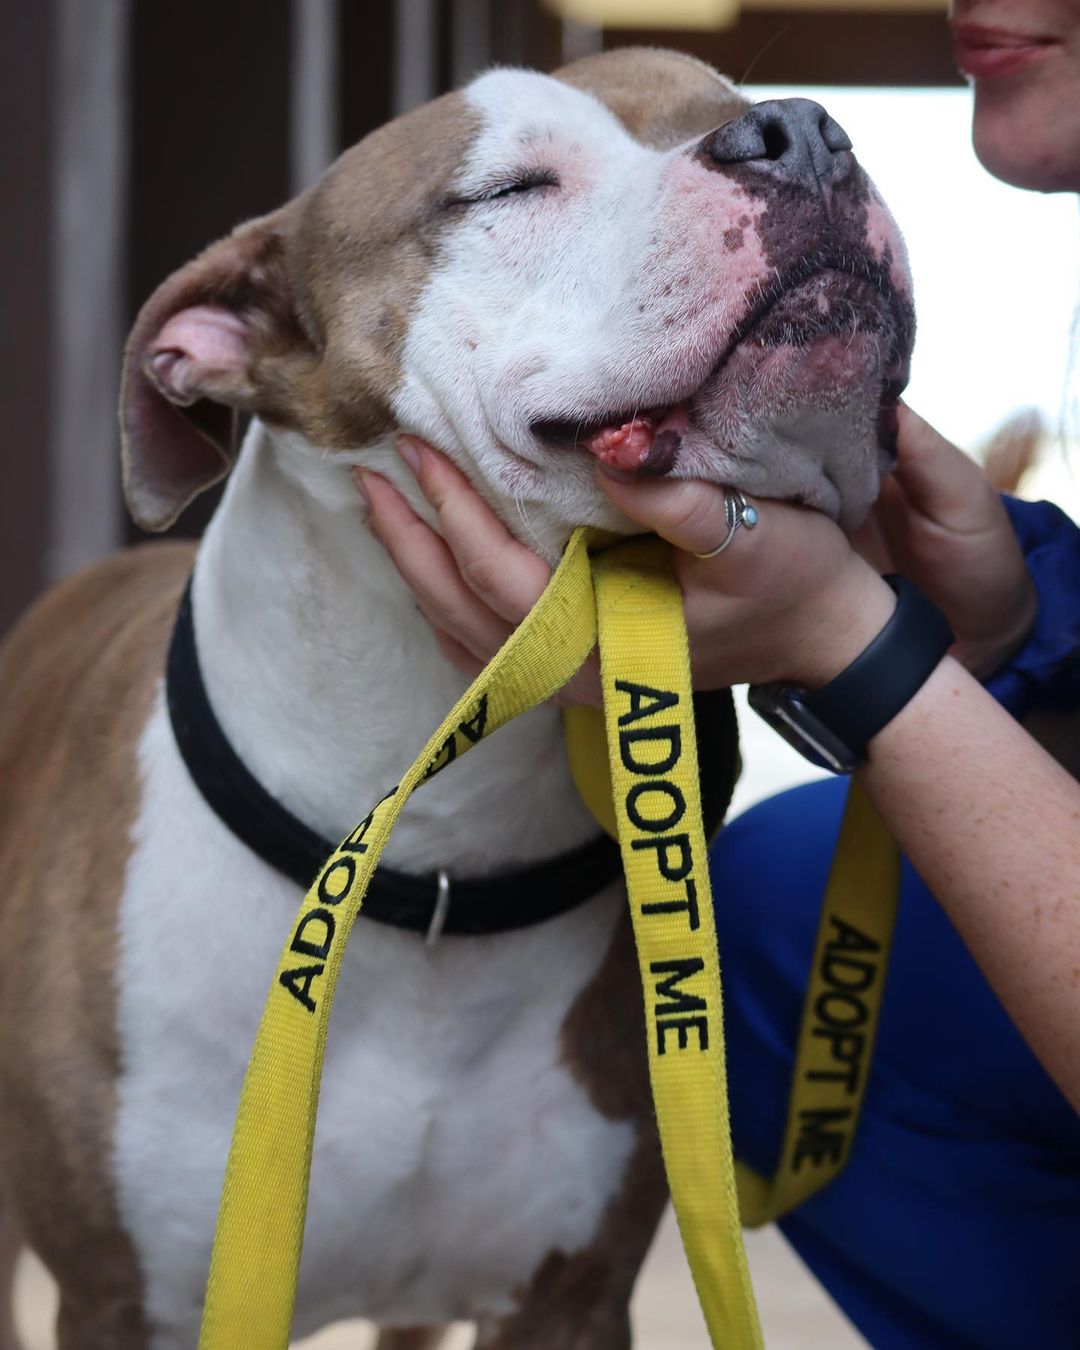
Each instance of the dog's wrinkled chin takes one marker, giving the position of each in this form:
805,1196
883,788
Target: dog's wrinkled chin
828,459
809,424
803,422
799,406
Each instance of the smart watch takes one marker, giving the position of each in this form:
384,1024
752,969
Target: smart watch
832,726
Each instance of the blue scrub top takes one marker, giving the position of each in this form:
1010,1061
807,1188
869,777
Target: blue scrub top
956,1222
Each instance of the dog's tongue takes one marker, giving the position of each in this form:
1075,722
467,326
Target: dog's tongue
646,445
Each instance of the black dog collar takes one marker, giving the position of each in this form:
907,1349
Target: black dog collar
431,903
425,903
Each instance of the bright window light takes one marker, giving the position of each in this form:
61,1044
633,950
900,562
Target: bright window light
648,13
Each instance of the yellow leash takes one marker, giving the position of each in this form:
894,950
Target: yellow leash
652,800
839,1019
843,996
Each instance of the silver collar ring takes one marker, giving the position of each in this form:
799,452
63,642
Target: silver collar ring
737,511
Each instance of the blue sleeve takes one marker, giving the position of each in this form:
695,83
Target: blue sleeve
1045,672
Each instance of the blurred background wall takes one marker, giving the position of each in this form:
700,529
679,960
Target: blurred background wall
134,132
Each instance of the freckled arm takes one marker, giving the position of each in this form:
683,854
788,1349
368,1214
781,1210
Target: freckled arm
992,824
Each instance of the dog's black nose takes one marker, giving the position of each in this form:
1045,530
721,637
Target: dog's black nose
794,139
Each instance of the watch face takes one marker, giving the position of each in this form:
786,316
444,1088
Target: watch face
782,707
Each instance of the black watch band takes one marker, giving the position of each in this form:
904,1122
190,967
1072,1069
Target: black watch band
833,725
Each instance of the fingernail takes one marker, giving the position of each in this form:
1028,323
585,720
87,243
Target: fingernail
360,479
409,451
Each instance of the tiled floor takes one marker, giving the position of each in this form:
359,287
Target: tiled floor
795,1314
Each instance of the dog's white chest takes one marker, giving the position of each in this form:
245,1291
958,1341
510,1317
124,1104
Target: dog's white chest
455,1149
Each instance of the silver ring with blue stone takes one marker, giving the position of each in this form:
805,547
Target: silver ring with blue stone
737,511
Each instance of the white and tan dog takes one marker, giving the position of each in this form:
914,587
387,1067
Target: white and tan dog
619,261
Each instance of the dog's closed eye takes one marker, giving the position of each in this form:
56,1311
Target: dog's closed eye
527,180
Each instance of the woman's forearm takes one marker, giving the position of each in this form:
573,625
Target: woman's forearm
992,824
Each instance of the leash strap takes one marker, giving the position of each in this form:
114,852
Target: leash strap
844,990
653,800
839,1018
251,1287
652,758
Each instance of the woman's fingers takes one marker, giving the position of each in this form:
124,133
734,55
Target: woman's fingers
472,586
503,573
689,515
937,479
428,567
951,535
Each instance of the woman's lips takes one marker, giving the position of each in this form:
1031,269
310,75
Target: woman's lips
990,53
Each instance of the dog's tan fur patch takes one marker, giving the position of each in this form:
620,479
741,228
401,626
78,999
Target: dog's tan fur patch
685,97
77,678
324,288
366,239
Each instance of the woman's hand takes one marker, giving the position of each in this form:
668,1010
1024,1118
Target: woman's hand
473,581
937,520
790,599
940,523
758,612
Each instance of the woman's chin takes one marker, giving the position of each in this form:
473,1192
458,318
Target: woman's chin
1030,147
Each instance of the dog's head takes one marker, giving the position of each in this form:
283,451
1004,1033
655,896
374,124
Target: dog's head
625,261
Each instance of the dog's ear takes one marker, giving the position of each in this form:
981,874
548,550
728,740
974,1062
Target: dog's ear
192,364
